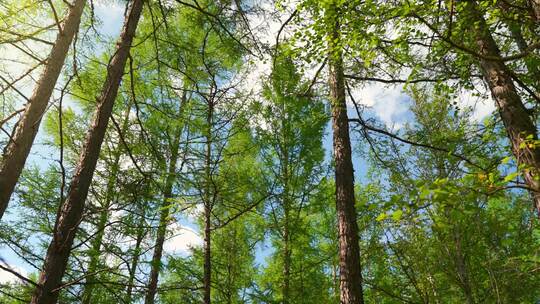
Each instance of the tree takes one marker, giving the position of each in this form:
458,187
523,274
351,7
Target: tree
72,208
439,233
19,146
519,125
227,174
290,136
349,251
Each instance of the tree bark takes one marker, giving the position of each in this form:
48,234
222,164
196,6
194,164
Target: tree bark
208,204
461,267
72,209
286,260
18,148
207,280
349,249
286,219
517,122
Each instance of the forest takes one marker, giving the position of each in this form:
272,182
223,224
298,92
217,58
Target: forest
269,151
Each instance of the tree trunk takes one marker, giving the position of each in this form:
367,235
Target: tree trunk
95,252
462,269
349,249
163,221
72,208
166,205
207,255
19,147
517,122
286,224
135,261
208,204
286,203
286,261
103,219
136,256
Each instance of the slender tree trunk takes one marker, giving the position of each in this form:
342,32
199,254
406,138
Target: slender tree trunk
349,250
72,209
207,255
208,204
232,273
135,259
163,221
165,210
286,224
462,269
18,148
286,260
95,251
519,125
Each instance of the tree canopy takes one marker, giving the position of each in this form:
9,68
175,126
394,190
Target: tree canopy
328,151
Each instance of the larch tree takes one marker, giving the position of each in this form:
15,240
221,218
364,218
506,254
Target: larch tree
290,135
269,151
349,252
16,152
72,208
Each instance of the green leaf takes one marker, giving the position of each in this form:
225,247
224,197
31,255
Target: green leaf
510,177
381,217
396,215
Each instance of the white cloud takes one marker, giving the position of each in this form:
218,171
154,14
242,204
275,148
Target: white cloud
183,239
481,106
8,277
387,102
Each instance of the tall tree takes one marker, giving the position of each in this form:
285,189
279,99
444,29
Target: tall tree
438,225
519,125
167,204
290,135
349,249
19,146
71,212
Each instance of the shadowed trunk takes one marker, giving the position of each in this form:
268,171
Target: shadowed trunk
349,249
517,122
286,229
18,148
535,4
208,204
462,268
72,209
207,256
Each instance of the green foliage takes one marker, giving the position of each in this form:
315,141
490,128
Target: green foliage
443,218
